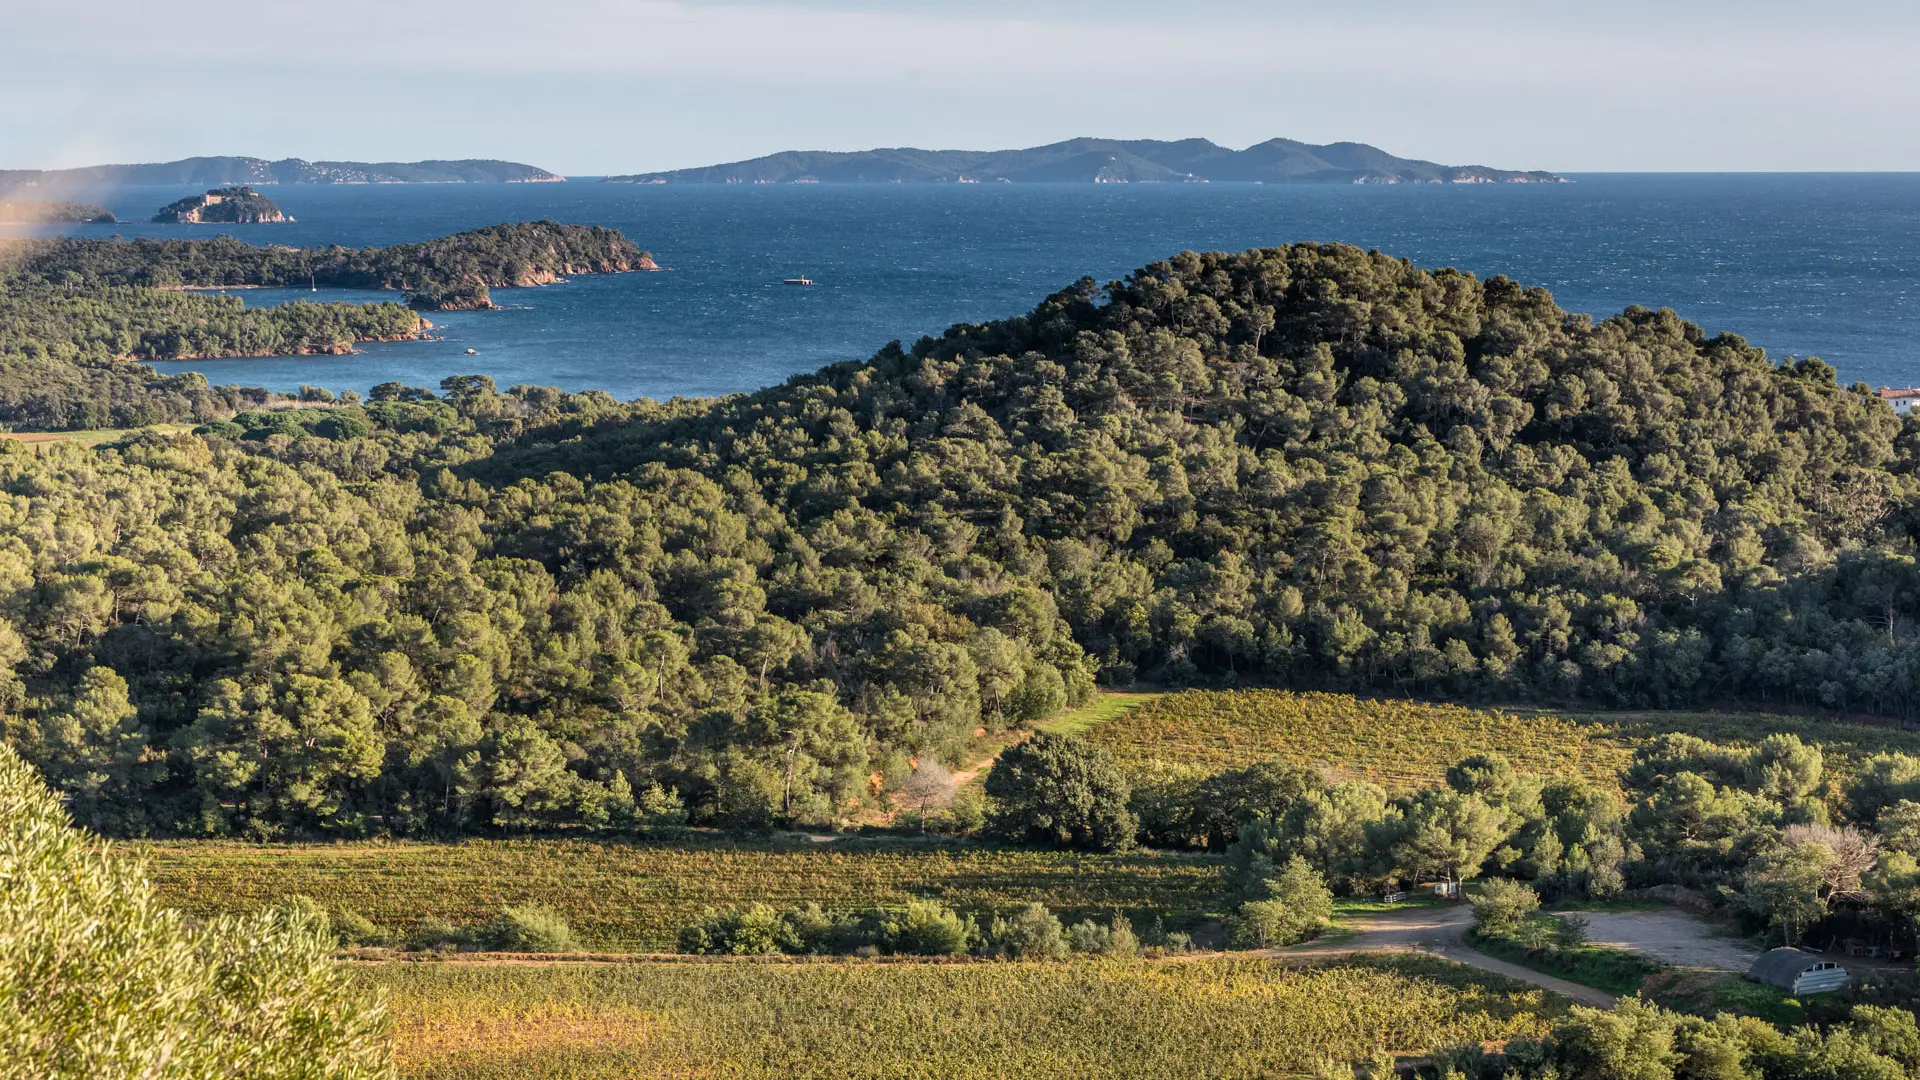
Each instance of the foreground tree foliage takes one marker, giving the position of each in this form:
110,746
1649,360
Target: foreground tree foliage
1307,466
97,981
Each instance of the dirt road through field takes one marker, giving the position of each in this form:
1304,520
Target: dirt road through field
1442,932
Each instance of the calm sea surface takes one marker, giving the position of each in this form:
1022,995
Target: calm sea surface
1825,265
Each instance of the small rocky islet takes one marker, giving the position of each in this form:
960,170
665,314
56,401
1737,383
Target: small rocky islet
239,205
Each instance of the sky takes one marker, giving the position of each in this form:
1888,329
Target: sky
589,87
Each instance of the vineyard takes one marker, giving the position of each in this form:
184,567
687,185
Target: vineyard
1225,1017
1406,744
636,897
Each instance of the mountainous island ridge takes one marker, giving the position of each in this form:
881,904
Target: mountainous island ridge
1084,160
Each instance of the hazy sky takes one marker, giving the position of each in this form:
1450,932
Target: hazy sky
595,86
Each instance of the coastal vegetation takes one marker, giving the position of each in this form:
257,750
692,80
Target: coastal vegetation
74,311
28,212
66,351
499,256
42,323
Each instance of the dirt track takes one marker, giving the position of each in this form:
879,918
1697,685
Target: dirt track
1440,931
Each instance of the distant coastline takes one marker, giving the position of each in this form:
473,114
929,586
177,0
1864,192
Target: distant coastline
1098,161
228,171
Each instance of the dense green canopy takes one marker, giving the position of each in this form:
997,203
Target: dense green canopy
1309,466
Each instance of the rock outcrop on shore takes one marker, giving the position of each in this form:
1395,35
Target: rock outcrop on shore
225,206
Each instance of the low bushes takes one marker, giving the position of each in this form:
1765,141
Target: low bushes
528,928
525,928
921,928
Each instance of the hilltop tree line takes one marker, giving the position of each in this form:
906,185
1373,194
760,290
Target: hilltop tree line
1306,466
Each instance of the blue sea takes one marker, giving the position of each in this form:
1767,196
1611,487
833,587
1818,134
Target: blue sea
1824,265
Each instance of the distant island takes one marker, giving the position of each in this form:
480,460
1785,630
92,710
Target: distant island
1099,161
224,171
226,206
38,213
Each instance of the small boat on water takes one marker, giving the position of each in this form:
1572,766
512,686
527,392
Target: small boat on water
473,352
796,281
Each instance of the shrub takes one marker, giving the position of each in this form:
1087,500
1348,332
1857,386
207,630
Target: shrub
1605,882
352,928
1297,904
758,930
1114,939
433,934
528,928
1502,905
928,928
99,980
1267,924
1032,933
968,811
1570,931
661,807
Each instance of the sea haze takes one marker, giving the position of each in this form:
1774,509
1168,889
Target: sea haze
1821,265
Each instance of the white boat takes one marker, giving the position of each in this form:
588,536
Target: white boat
796,281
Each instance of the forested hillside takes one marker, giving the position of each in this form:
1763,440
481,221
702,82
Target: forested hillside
1307,466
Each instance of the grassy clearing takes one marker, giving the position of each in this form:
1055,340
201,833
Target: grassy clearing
1349,911
1103,708
1409,744
1353,907
637,897
1224,1017
1706,993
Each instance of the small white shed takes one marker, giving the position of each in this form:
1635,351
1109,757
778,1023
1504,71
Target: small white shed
1798,972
